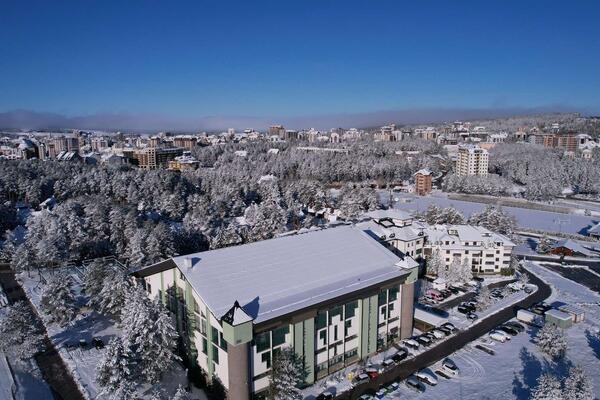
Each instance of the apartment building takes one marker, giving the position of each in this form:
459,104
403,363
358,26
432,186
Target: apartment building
155,157
472,160
184,162
187,142
333,296
487,252
568,141
423,182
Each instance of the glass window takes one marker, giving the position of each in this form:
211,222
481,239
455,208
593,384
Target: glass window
223,342
279,335
204,346
383,313
335,333
266,358
321,320
333,312
393,295
351,309
347,326
382,297
215,354
215,335
323,335
263,341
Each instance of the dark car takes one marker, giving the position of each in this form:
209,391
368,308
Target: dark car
463,309
515,325
453,290
449,325
445,330
510,330
413,383
325,396
400,355
424,340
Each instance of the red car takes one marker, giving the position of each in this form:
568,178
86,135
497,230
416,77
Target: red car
372,372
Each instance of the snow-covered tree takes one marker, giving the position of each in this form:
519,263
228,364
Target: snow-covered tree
548,388
95,275
551,341
545,245
58,299
287,374
435,263
484,298
113,295
494,219
149,334
466,272
578,385
114,372
181,394
20,333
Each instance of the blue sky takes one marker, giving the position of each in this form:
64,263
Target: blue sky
296,58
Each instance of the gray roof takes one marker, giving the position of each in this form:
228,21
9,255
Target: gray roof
276,277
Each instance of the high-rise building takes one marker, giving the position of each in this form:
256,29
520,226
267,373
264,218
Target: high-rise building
155,157
472,160
423,182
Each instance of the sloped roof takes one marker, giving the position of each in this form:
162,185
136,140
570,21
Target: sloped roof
276,277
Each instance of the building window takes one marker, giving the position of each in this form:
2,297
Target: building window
323,335
333,312
347,326
279,335
263,341
215,335
390,309
382,297
335,333
205,346
383,313
321,320
215,354
266,358
351,309
393,295
223,342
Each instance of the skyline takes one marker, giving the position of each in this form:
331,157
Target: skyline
231,64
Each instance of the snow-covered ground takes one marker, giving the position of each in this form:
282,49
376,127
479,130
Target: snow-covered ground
82,362
528,219
513,371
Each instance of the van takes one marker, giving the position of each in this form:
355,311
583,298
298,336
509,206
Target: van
360,379
434,294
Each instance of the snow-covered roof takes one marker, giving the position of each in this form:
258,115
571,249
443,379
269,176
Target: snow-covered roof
574,246
279,276
236,315
423,171
559,314
391,213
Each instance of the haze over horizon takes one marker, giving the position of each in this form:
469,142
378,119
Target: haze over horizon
206,66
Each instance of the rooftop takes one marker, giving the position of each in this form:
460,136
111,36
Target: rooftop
279,276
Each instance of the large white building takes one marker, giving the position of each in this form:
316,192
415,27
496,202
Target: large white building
472,160
333,296
487,252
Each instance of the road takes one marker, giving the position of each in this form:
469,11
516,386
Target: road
53,369
452,344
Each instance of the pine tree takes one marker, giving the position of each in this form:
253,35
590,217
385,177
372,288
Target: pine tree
466,272
435,263
548,388
94,276
551,340
149,334
58,300
578,385
20,333
544,245
286,374
113,295
114,372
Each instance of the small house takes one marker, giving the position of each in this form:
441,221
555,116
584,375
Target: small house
559,318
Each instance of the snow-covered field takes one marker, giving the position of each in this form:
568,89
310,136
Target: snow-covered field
82,362
513,371
528,219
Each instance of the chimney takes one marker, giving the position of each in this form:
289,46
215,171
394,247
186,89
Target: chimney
187,262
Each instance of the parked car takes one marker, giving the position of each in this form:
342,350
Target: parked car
497,336
528,289
411,343
472,316
400,355
508,329
424,340
360,379
445,330
387,364
463,309
366,397
326,395
506,335
372,372
454,290
449,325
450,367
380,394
515,325
413,383
392,387
438,334
427,377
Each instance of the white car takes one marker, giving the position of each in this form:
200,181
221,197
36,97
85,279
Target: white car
449,367
506,335
438,334
497,336
412,343
426,377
